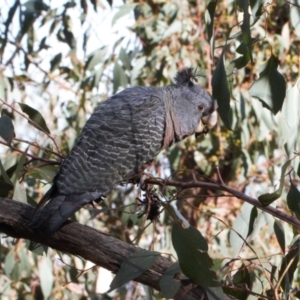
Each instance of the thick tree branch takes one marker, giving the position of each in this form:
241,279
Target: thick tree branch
105,250
100,248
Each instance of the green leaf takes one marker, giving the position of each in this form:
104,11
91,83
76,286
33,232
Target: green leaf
43,172
37,248
293,200
120,78
246,33
125,59
46,276
5,188
9,20
25,267
55,61
138,66
124,10
35,6
191,248
268,198
211,8
20,167
242,48
241,61
31,201
133,267
110,2
215,293
4,175
9,262
253,217
7,131
221,91
6,185
290,114
168,286
95,4
240,228
256,9
291,105
270,88
295,15
35,118
243,278
174,155
292,258
279,232
19,192
95,58
3,83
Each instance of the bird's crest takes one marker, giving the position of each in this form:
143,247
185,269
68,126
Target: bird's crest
186,76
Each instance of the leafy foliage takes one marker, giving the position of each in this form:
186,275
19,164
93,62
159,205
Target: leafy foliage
56,67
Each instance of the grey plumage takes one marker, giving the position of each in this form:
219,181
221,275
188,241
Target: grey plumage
122,135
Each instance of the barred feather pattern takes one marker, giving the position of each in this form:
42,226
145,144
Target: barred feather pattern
123,133
121,136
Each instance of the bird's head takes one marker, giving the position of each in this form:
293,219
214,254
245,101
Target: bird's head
194,108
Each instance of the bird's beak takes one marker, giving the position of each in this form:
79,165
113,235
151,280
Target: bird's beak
207,122
211,120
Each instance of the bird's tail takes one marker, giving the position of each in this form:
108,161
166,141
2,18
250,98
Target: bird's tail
56,211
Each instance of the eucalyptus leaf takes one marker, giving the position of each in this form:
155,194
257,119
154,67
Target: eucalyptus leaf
295,15
133,267
123,10
192,251
7,131
240,228
5,188
253,217
169,287
46,275
120,78
221,91
211,7
35,118
215,293
20,167
268,198
96,57
55,61
293,200
290,264
19,192
43,172
279,232
270,88
246,32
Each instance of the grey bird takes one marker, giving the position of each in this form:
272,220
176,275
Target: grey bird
123,134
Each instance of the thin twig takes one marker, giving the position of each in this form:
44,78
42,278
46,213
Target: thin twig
37,125
47,161
222,187
35,144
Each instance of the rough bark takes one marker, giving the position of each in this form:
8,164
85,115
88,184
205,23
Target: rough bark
95,246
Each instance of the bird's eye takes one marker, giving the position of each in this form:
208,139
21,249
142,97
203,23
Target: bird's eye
200,107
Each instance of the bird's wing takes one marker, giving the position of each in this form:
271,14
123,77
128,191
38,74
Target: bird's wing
119,137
